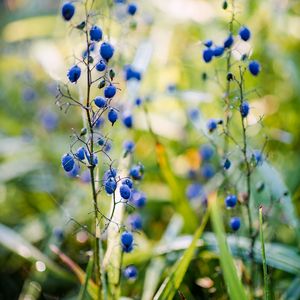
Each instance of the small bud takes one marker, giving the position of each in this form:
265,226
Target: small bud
101,84
229,76
133,25
83,131
204,76
260,186
90,60
112,74
81,25
225,5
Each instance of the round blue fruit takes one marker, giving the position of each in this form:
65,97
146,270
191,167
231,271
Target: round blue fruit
244,109
74,74
96,34
80,153
131,8
130,272
110,91
125,191
128,182
207,55
228,42
206,152
244,33
231,201
127,238
135,221
235,223
107,51
68,10
254,67
100,66
218,51
67,162
110,185
100,102
112,116
212,125
127,121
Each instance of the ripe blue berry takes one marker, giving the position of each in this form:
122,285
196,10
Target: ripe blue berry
193,191
112,116
235,223
130,272
128,146
212,125
226,164
131,9
127,241
74,74
80,153
74,172
254,67
194,114
107,51
110,185
207,55
101,66
100,102
125,191
138,101
135,221
218,51
208,43
228,42
136,172
207,171
244,33
110,173
231,201
67,162
110,91
68,10
127,121
96,33
244,109
206,152
128,182
101,141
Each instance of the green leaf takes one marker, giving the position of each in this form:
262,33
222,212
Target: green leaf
234,286
170,285
17,244
267,293
293,292
83,294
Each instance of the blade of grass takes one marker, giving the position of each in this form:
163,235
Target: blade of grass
267,293
83,294
178,196
234,286
171,284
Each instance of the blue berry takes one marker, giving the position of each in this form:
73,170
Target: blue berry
68,10
208,43
49,120
131,73
100,66
125,191
67,162
138,101
235,223
110,185
128,182
99,122
194,114
254,67
74,74
74,172
80,153
112,116
100,102
107,51
127,241
96,34
138,199
136,172
206,152
101,141
228,42
231,201
244,33
207,171
135,221
129,146
244,109
258,156
218,51
110,91
226,164
212,125
110,173
127,121
132,8
207,55
130,272
193,191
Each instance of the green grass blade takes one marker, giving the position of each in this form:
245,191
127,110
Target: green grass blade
234,286
11,240
83,294
171,284
267,293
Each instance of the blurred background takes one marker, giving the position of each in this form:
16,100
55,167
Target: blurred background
37,200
